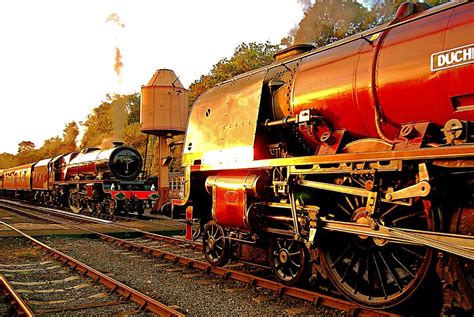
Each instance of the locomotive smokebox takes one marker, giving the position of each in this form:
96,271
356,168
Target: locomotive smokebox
164,104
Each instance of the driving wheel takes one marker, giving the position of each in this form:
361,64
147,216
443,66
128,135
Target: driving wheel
216,246
288,260
372,271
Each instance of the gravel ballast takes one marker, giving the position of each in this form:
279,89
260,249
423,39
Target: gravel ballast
194,293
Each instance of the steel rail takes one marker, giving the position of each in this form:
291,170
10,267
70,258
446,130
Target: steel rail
4,204
145,302
15,299
306,295
146,234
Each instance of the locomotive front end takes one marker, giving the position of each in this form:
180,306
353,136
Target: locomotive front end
122,162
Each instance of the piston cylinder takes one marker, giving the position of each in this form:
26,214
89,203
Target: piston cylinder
230,198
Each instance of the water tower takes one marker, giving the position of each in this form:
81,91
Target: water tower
164,113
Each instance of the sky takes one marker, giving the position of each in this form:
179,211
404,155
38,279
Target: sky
57,56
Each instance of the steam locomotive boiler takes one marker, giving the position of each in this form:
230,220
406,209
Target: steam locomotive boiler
351,162
120,162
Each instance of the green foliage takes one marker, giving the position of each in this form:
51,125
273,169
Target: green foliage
70,133
246,57
27,153
7,160
26,146
133,108
107,122
53,147
133,137
98,125
118,117
325,22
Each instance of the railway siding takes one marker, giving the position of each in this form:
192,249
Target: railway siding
123,291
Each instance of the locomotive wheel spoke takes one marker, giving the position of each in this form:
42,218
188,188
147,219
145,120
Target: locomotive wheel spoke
360,273
412,252
295,264
379,274
341,256
350,265
404,267
344,209
415,214
349,202
385,214
389,270
372,271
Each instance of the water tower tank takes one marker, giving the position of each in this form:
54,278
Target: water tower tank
164,104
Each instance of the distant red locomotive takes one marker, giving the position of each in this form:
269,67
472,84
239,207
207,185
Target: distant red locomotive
93,181
352,162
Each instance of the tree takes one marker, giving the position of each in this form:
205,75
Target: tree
107,121
384,11
25,146
133,108
51,148
246,57
7,160
327,21
70,133
133,137
98,125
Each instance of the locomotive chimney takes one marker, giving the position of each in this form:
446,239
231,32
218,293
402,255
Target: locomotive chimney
117,143
292,51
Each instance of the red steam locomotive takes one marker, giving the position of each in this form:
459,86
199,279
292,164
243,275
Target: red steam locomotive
93,181
352,162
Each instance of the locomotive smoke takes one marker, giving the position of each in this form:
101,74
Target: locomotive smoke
119,117
115,19
119,114
118,62
305,4
106,143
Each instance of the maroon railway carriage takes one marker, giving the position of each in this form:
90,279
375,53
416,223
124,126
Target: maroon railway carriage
351,162
17,178
92,181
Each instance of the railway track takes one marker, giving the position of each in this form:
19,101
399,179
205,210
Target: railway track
14,304
58,216
123,294
182,253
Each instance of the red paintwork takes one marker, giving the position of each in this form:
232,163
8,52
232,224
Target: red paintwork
17,178
229,209
84,163
338,82
40,175
189,223
129,194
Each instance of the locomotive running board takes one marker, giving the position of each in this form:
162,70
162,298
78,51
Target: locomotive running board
459,156
460,245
